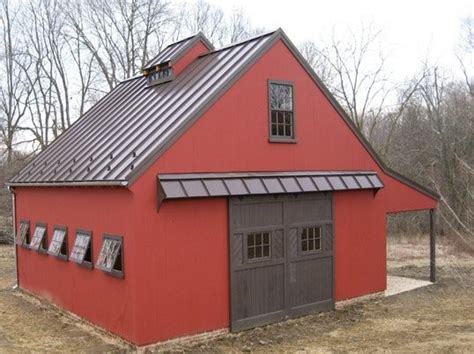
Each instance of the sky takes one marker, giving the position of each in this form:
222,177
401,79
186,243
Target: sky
411,30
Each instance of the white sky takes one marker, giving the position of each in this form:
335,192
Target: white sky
412,30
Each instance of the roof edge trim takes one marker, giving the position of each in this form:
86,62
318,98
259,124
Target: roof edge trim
70,184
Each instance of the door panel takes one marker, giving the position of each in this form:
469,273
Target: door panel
290,280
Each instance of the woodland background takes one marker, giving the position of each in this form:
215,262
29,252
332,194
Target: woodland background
58,58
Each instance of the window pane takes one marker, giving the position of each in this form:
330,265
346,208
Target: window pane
317,243
258,252
266,251
81,247
258,239
250,240
266,237
37,237
274,117
281,117
58,242
274,129
281,131
250,253
108,254
22,234
281,97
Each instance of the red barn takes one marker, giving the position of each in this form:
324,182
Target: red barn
220,189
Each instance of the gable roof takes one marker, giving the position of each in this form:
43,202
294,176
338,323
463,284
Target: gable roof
177,49
121,135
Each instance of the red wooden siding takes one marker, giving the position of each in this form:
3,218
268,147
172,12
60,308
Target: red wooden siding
198,49
100,298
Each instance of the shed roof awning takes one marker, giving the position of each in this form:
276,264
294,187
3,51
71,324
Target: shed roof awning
202,185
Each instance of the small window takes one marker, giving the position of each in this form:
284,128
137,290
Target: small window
23,236
111,255
282,124
258,245
82,250
58,246
310,239
38,242
160,76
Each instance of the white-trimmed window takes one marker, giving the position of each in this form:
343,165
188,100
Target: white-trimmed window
58,245
111,255
311,239
82,251
38,242
258,246
282,115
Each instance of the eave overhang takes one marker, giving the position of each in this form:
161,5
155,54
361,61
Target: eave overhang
207,185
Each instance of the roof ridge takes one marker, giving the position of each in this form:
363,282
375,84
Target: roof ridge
245,41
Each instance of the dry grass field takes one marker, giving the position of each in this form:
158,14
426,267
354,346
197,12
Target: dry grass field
437,318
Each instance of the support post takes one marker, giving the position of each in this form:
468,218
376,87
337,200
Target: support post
433,245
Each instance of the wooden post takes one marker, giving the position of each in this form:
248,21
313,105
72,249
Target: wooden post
433,245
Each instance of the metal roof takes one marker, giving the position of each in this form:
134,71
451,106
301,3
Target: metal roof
121,135
175,50
177,186
127,128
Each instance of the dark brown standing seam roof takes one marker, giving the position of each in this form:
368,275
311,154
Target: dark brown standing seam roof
132,126
202,185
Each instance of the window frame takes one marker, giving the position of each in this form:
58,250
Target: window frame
160,79
84,263
25,243
270,246
43,246
113,272
300,239
274,138
61,256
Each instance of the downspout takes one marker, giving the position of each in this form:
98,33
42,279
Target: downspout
13,194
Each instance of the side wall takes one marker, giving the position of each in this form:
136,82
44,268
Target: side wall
98,297
184,246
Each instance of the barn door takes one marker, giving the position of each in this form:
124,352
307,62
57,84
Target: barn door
281,258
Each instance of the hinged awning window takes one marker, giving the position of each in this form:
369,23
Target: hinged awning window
177,186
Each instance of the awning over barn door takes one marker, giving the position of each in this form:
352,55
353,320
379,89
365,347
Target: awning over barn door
202,185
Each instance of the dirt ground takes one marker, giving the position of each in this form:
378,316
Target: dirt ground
437,318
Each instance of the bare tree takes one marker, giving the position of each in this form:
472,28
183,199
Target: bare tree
317,59
15,90
465,52
120,34
219,28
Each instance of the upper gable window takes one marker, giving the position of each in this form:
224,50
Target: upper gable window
282,119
